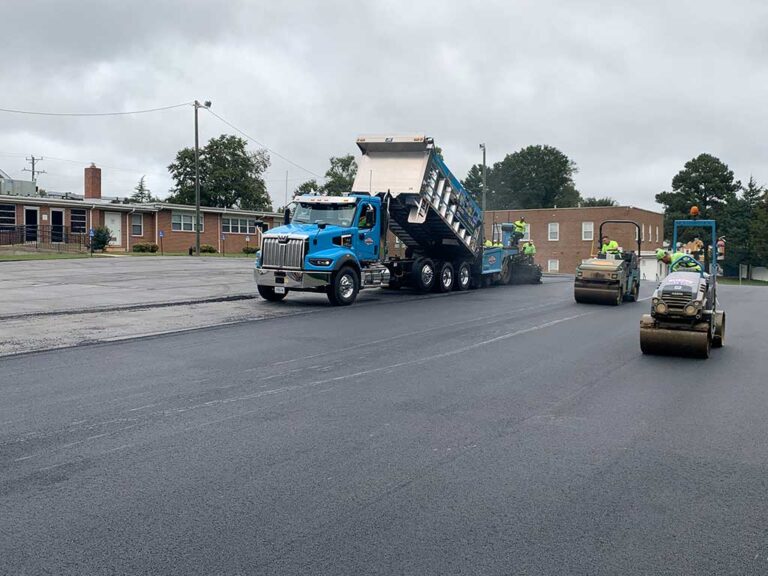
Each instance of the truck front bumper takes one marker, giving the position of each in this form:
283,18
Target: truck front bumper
293,279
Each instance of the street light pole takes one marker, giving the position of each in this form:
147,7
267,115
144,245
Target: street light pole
207,104
482,147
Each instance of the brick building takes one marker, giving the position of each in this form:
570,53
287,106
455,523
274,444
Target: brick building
565,236
68,219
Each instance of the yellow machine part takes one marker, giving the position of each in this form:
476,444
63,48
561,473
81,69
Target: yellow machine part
597,295
689,341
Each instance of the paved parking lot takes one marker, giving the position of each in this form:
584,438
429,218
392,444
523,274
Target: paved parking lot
46,286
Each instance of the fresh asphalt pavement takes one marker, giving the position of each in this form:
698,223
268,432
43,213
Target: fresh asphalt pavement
499,431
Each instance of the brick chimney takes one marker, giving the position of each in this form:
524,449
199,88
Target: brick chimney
92,182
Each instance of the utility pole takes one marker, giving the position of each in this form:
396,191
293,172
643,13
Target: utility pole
482,147
206,104
34,170
286,190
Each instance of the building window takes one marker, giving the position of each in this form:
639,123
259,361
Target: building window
77,221
554,231
657,234
238,225
527,234
588,231
137,225
185,221
553,265
496,235
642,232
398,242
7,216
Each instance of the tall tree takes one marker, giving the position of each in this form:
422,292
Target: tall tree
308,187
340,176
534,177
592,201
706,182
142,194
742,224
230,175
474,181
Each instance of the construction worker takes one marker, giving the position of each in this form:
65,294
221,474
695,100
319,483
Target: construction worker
488,243
520,227
609,246
674,261
529,250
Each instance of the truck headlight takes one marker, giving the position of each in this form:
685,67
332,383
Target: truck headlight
257,263
320,261
614,276
579,273
660,308
690,310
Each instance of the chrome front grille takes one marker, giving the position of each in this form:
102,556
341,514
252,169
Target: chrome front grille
283,253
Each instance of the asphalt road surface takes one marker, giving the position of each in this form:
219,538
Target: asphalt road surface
500,431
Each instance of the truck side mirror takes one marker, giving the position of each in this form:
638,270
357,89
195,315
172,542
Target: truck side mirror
287,216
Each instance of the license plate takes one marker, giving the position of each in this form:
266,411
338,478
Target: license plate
279,289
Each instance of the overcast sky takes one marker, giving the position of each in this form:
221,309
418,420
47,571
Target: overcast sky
629,90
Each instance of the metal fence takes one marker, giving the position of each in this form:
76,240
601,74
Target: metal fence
46,237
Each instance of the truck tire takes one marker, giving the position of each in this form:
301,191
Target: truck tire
423,274
268,293
506,273
344,287
463,276
445,278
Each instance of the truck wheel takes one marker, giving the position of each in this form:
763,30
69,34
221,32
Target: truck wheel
463,277
506,273
423,274
719,338
445,278
268,293
344,287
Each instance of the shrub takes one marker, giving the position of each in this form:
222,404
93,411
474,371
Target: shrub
250,250
145,247
207,249
101,237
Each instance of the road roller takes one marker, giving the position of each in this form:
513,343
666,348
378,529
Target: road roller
685,319
610,278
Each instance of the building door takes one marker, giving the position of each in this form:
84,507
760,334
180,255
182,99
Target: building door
30,224
114,221
57,226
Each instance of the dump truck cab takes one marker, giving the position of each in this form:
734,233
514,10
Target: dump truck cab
322,239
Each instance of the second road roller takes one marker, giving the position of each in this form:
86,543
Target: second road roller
685,318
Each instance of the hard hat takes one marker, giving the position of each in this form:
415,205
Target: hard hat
660,254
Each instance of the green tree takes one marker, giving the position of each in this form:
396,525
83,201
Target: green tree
706,182
474,181
142,194
308,187
742,223
340,176
592,201
534,177
230,175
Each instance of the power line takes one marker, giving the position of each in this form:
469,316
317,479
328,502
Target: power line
264,145
147,111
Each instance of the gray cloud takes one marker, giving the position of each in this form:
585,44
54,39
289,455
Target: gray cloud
630,91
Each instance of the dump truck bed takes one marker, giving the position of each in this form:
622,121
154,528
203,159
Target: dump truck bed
429,209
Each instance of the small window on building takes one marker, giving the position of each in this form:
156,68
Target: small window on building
238,225
527,234
185,221
137,225
398,242
553,265
642,232
7,216
588,231
657,234
554,231
77,221
496,234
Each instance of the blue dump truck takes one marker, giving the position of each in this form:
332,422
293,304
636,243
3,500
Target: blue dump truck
337,245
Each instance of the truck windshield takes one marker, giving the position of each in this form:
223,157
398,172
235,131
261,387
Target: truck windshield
331,214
